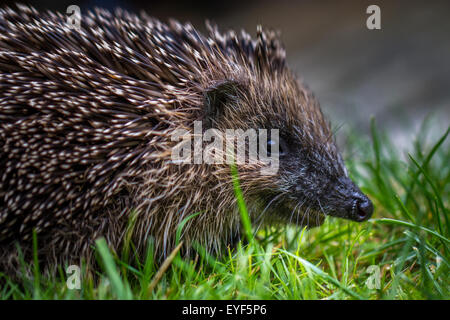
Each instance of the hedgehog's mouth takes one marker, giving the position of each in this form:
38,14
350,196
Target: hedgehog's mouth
356,209
302,214
342,199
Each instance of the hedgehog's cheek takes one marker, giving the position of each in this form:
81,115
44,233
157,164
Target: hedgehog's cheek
288,211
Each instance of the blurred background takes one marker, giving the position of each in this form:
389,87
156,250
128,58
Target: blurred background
399,74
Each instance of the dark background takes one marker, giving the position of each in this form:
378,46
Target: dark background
399,74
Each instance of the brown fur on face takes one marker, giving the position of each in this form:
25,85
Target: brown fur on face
86,118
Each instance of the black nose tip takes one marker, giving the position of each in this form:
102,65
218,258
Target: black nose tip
364,209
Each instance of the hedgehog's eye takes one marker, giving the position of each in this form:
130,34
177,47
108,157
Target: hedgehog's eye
282,148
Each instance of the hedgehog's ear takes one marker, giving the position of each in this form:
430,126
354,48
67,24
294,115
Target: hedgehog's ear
220,96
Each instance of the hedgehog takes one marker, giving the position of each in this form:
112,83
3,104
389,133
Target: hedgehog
87,117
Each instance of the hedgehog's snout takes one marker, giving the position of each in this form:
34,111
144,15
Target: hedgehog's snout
349,202
359,206
362,207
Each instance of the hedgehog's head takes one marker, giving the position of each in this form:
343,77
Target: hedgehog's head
311,180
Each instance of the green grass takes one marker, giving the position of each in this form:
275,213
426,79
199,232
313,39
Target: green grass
407,241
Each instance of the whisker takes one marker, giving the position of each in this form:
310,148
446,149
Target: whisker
306,213
260,218
299,211
321,209
292,212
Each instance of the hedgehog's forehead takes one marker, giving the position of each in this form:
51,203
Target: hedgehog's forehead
285,101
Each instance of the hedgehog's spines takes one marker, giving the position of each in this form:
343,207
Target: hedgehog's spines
86,118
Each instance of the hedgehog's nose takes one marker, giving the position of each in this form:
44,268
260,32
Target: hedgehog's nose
362,208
